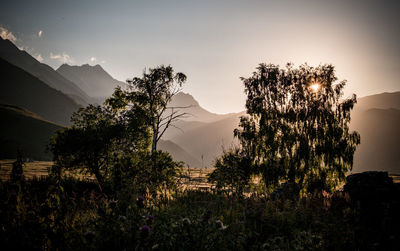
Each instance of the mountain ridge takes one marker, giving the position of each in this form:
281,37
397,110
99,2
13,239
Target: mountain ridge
10,53
91,79
29,133
22,89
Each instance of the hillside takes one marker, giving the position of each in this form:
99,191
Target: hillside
195,111
180,127
384,100
24,90
380,140
178,153
208,139
21,59
21,129
93,80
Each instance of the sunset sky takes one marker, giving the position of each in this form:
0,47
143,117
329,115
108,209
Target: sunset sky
214,42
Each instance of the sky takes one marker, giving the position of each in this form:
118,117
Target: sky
214,42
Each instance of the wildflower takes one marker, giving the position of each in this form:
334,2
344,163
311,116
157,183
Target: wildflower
113,203
186,221
89,235
220,225
207,215
145,231
150,219
140,201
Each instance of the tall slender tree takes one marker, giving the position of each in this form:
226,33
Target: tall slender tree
153,91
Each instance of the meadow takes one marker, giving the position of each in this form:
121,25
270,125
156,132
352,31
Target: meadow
41,213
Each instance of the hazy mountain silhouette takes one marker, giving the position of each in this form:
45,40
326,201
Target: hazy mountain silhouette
384,100
20,88
24,130
380,140
209,139
94,80
197,113
21,59
180,127
178,153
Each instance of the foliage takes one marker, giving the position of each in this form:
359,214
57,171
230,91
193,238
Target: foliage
145,172
96,139
112,142
232,171
297,128
152,92
42,214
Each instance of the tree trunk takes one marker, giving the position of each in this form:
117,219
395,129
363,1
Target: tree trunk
99,179
154,143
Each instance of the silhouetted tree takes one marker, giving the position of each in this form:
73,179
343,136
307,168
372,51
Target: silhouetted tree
98,137
152,92
232,171
297,127
112,141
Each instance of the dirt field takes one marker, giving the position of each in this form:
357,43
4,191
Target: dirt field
192,178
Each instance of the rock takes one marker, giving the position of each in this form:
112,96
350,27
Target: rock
370,186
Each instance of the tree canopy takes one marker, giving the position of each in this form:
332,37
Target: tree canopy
152,92
297,127
113,141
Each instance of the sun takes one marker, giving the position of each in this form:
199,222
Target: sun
315,87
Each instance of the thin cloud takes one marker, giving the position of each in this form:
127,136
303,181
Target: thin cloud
40,33
6,34
93,59
63,58
39,58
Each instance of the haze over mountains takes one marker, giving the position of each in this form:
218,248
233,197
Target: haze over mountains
21,59
46,96
93,80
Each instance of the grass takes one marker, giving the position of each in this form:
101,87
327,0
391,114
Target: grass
38,214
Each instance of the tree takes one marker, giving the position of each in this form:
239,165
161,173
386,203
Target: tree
112,142
97,138
153,91
232,171
297,127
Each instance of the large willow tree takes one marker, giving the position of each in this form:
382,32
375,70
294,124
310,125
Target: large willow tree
297,128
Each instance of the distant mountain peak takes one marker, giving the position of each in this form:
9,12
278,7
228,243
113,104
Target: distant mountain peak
185,99
94,80
83,66
22,59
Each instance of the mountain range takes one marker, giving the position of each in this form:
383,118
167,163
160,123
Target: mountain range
49,96
22,89
10,53
93,80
